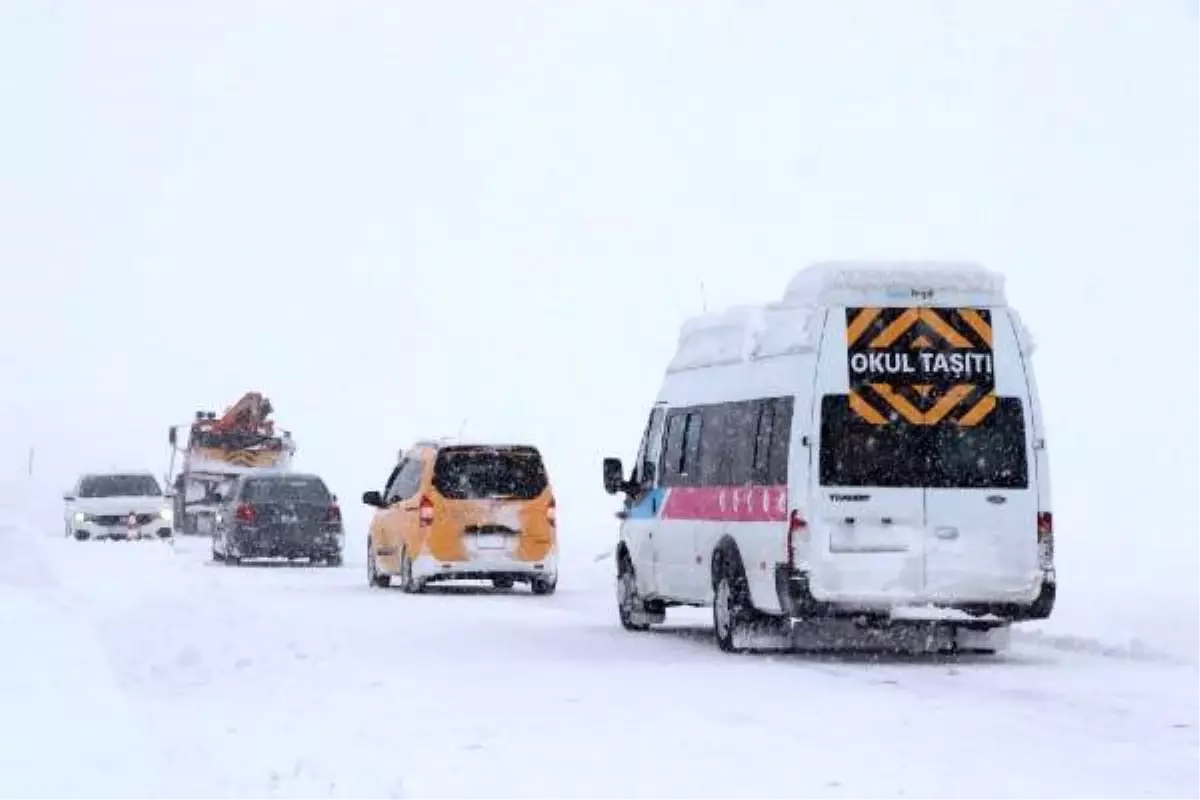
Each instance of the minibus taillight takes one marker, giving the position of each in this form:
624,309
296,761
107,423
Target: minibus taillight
426,512
797,527
333,513
1045,535
552,513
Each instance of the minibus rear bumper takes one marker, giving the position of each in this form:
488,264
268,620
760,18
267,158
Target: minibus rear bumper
797,601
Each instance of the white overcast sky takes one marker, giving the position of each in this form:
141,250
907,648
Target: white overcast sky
393,217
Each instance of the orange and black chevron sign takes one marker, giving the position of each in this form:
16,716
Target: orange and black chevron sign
242,458
923,365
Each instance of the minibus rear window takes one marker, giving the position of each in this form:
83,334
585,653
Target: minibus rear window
899,454
475,473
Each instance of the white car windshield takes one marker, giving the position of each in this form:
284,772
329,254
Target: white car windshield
119,486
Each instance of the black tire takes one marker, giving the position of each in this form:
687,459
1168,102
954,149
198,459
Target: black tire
334,561
375,578
543,586
225,557
732,608
627,596
408,584
81,536
503,583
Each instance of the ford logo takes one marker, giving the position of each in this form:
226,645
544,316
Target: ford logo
997,499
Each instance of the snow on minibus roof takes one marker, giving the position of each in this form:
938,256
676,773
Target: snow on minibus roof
743,333
841,283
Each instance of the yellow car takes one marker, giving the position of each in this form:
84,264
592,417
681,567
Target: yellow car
465,511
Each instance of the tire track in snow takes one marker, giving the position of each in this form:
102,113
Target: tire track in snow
311,684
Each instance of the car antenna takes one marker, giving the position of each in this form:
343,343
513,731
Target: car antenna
703,299
462,428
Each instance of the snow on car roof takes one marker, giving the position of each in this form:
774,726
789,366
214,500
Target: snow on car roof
449,441
280,474
112,473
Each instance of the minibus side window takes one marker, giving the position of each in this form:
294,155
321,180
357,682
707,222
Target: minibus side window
649,445
762,440
690,465
681,459
781,437
727,444
672,460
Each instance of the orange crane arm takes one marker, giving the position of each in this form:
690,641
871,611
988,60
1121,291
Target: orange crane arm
247,414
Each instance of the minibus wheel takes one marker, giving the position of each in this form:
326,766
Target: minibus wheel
627,596
731,602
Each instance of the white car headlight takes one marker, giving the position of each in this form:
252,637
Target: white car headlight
80,516
167,514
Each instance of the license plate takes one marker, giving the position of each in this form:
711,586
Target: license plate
288,519
489,541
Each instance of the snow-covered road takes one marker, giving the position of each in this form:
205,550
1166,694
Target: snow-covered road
138,669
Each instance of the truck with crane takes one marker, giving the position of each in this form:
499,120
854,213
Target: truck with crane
216,450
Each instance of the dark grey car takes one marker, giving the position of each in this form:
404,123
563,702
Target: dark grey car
285,515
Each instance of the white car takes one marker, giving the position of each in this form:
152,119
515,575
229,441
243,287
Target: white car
122,505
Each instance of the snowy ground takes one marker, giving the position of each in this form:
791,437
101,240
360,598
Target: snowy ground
134,669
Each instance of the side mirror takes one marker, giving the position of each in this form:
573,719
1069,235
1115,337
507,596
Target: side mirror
373,498
219,498
70,498
614,475
171,436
